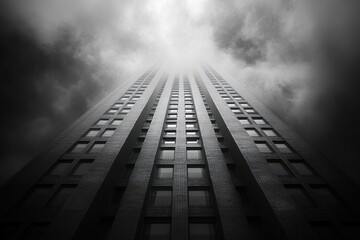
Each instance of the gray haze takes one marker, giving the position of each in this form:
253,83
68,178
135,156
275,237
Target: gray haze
59,57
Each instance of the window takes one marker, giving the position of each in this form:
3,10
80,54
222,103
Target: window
170,133
245,105
192,141
61,195
231,104
193,154
236,110
282,147
92,132
129,105
269,132
299,195
157,231
108,133
249,110
169,141
165,172
190,125
199,198
60,168
189,115
171,125
161,198
97,147
202,231
102,121
116,122
252,132
172,116
112,111
117,105
37,195
82,167
125,110
195,172
244,121
278,167
325,196
259,121
79,147
173,106
173,111
167,154
263,147
301,167
191,133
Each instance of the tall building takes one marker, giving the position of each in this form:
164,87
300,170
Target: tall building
180,155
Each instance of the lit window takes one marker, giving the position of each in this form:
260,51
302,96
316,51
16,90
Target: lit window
165,172
116,122
172,116
245,105
249,110
169,141
97,147
193,154
282,147
157,231
192,141
199,198
269,132
112,111
190,115
195,172
190,125
171,125
202,231
129,105
117,105
108,133
173,106
170,133
102,122
189,111
259,121
231,104
244,121
278,167
167,154
301,167
172,111
263,147
161,198
79,147
252,132
125,110
191,133
82,167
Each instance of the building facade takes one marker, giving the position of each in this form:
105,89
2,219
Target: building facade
180,155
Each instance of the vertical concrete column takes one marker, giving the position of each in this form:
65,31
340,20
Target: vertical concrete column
180,202
133,201
232,218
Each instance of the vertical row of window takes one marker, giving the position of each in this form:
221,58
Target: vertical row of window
161,197
108,214
94,140
255,224
301,181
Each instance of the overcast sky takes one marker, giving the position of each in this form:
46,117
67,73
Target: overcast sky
59,57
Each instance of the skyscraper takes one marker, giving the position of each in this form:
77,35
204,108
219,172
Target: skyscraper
180,155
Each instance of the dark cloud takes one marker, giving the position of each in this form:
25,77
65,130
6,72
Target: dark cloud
306,66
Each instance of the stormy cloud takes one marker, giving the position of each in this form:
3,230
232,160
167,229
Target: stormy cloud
58,58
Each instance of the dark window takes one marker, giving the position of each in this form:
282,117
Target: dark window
263,147
278,167
61,195
195,172
108,133
193,154
157,231
199,198
97,147
202,231
102,121
165,172
79,147
325,196
282,147
161,198
116,122
301,167
92,132
60,168
37,195
82,167
301,198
